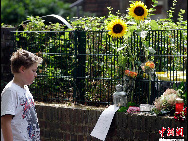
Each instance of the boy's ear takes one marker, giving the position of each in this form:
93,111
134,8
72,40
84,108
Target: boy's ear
21,69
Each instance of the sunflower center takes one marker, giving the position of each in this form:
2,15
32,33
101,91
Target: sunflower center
139,11
117,28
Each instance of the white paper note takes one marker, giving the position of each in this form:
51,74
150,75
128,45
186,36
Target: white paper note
103,124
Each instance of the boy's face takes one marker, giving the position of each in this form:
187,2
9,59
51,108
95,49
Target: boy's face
30,74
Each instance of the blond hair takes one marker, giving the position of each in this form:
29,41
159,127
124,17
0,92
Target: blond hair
23,58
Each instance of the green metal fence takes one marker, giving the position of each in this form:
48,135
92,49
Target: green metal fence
84,66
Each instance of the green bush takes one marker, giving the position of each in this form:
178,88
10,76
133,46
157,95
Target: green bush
13,12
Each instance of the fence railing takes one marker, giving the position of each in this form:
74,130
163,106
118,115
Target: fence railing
85,66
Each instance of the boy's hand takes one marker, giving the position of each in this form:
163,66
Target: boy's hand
6,127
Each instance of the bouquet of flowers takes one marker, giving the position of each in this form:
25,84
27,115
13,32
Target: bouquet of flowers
133,109
130,74
129,85
181,116
148,66
166,102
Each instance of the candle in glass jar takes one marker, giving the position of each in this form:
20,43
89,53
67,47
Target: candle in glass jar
179,105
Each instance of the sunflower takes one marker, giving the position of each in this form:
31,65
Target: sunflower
138,10
117,28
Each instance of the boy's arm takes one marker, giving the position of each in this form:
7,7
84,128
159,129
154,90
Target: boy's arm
6,127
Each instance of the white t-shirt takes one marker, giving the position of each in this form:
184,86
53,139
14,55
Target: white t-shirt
19,102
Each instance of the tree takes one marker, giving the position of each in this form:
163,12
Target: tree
13,12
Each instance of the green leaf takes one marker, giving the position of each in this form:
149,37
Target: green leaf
122,60
124,109
151,50
154,25
132,28
128,34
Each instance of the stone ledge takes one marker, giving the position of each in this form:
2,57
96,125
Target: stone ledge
75,123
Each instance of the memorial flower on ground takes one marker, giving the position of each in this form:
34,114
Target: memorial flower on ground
117,28
166,102
138,10
180,116
133,109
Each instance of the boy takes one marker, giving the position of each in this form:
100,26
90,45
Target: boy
18,117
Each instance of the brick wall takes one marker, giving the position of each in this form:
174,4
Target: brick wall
68,124
6,51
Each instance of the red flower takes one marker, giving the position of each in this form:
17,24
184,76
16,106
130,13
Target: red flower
179,116
185,112
133,74
130,73
133,109
127,72
152,65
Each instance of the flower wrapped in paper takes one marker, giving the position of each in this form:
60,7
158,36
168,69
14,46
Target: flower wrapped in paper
129,86
130,74
148,66
133,109
166,102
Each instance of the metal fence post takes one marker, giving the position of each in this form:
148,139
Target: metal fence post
79,72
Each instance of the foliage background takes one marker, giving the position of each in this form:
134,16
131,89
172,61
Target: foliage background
13,12
96,44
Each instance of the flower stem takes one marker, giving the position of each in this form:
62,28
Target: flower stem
149,74
146,53
132,92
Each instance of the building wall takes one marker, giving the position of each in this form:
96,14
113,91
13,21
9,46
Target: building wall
100,7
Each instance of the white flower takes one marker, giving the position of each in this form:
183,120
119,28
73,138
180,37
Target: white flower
143,34
147,21
162,99
171,99
151,50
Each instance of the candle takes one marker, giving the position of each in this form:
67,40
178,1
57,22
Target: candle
179,105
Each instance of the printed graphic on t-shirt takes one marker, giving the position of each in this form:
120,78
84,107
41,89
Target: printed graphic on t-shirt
29,115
